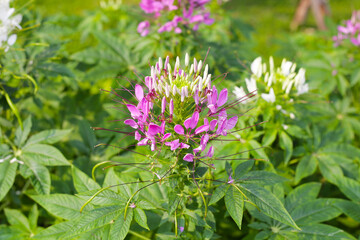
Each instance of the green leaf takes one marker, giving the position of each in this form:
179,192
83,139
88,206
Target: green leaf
350,187
302,194
48,136
112,179
83,182
234,203
44,154
87,134
62,205
7,177
355,77
33,217
268,203
93,220
270,136
16,218
218,193
55,231
315,211
351,209
174,200
259,152
243,168
307,166
114,44
322,232
121,227
262,177
286,144
329,168
342,84
106,197
21,134
140,218
40,177
55,69
143,204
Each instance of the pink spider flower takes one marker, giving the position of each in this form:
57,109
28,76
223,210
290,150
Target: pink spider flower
189,13
179,108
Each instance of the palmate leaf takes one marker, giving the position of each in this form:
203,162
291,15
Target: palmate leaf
262,177
44,154
48,136
218,193
40,176
320,231
140,218
120,228
7,177
82,182
302,194
16,218
234,203
62,205
22,133
307,166
54,231
315,211
268,203
93,220
351,209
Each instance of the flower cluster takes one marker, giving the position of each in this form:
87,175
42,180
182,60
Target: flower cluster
190,13
8,24
283,81
179,109
350,31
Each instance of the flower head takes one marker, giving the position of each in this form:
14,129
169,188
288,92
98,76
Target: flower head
189,13
180,109
350,31
276,84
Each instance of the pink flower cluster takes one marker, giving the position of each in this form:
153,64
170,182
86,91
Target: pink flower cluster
187,13
350,31
180,110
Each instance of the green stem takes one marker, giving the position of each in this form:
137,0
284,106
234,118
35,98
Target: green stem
138,235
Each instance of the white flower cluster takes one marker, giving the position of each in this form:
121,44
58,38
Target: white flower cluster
7,24
285,77
183,81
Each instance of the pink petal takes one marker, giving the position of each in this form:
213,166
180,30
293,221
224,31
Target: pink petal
188,157
212,108
175,145
231,123
143,142
194,120
214,95
187,123
179,129
137,136
131,123
213,124
210,153
203,128
153,129
171,107
184,145
135,113
139,92
166,136
163,105
163,127
223,96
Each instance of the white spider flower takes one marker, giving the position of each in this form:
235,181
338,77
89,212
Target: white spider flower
269,97
256,67
8,24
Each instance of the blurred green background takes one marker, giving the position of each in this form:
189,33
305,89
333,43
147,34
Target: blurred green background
270,18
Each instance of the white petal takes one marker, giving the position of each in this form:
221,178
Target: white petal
12,39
